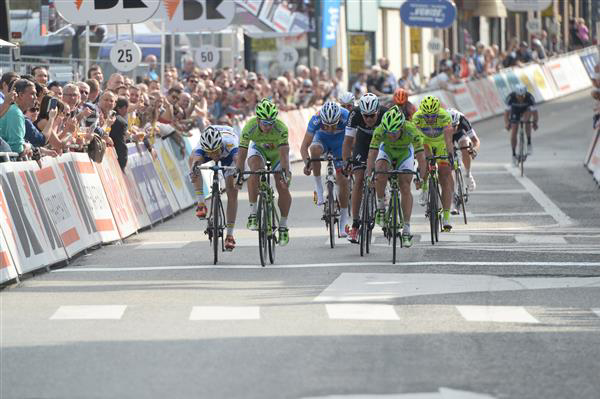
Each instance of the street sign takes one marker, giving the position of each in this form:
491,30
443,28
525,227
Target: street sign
193,15
435,46
125,56
207,56
100,12
428,13
288,56
526,5
534,25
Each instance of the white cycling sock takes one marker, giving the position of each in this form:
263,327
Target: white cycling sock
406,228
467,172
283,222
318,185
253,208
343,217
381,203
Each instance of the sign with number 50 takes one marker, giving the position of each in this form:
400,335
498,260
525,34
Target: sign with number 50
125,56
207,56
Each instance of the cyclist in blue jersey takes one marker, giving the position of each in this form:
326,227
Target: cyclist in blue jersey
325,134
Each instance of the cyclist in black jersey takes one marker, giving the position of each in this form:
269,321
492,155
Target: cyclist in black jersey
361,123
520,105
465,135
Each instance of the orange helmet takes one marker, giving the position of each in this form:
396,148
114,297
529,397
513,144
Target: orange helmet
400,97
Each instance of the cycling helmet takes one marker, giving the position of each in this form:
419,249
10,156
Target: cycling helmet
346,98
330,113
521,90
455,114
393,119
400,96
430,105
369,104
211,139
266,110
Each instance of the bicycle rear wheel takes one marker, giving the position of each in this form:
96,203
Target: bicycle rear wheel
461,193
331,213
272,230
262,229
215,208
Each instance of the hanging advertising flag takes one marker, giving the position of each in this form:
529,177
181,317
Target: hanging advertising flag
428,13
526,5
331,18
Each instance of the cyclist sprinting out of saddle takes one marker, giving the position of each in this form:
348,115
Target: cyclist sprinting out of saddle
219,144
265,138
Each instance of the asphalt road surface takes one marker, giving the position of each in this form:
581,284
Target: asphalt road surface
507,306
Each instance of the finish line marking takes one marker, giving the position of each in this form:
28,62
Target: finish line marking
84,269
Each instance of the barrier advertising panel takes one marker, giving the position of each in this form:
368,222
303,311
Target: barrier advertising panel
136,173
174,177
95,197
8,246
167,201
38,241
7,267
464,101
61,207
182,165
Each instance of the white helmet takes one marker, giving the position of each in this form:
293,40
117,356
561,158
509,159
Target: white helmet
346,98
369,104
330,113
455,114
211,139
521,90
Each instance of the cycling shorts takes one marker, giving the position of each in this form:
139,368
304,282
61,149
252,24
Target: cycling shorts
330,143
402,163
271,156
439,147
360,152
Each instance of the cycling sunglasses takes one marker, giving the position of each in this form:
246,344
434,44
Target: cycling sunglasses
369,116
266,122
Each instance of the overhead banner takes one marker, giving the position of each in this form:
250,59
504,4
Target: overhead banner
258,17
526,5
189,16
428,13
95,197
61,207
96,12
331,19
37,240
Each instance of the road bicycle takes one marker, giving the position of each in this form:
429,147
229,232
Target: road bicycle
367,216
394,219
266,215
521,146
434,198
331,207
216,218
461,196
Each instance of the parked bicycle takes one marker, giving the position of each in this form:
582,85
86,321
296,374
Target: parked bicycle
216,219
267,215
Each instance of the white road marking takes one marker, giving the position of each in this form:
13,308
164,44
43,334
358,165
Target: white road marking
448,238
497,192
597,311
491,215
490,172
496,314
361,311
550,207
163,245
89,312
443,393
92,268
539,239
361,287
225,313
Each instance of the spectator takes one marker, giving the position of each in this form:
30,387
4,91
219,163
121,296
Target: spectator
84,91
95,72
6,83
539,53
304,96
338,81
115,81
152,73
94,92
188,68
479,60
118,130
415,79
524,55
389,83
359,88
57,89
582,32
40,74
12,124
375,81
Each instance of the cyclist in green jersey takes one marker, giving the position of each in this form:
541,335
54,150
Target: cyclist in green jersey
265,138
395,141
436,126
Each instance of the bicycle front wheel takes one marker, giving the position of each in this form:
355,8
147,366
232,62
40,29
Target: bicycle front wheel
432,210
215,209
364,214
331,213
522,151
394,232
272,231
370,218
261,215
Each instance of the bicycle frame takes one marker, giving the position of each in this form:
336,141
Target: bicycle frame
434,198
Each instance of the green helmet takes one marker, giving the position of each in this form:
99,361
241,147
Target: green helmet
266,110
430,105
393,119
